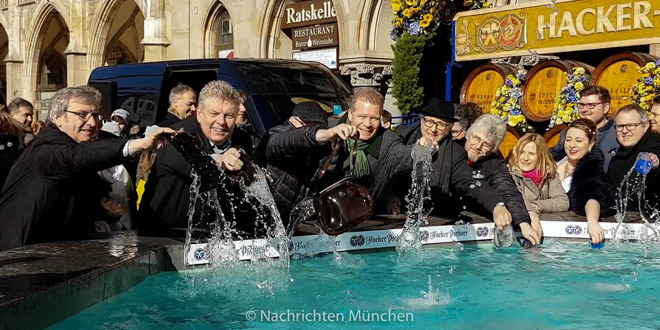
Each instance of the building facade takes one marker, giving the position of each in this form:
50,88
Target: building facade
50,44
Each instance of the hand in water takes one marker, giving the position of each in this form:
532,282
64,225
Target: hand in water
596,232
229,160
530,233
655,160
423,141
536,223
501,216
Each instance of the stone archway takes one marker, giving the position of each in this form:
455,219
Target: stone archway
276,44
117,33
49,61
218,32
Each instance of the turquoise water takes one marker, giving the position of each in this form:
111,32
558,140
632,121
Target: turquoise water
560,286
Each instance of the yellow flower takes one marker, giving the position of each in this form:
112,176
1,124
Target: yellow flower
398,22
580,71
432,10
559,121
407,13
396,8
424,23
502,99
650,65
415,10
411,3
579,86
516,81
423,2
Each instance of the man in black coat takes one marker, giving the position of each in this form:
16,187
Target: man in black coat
40,189
488,167
166,199
381,154
634,136
183,104
292,153
452,175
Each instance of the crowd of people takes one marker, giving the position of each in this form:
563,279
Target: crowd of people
75,174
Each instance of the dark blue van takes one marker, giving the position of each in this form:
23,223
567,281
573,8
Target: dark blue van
273,87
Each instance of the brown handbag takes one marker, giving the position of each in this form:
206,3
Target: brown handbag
345,204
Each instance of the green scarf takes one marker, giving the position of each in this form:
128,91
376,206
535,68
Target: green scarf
361,161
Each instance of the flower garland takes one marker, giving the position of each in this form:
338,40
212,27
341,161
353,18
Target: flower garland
415,17
507,101
566,110
477,4
647,86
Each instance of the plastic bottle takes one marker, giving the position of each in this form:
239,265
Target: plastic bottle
643,164
336,110
599,245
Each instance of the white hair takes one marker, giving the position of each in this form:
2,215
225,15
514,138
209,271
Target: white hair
493,127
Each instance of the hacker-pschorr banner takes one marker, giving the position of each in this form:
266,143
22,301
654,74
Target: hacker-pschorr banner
310,245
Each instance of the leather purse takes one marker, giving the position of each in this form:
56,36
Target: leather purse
345,204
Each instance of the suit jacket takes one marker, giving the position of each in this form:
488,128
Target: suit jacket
36,204
166,199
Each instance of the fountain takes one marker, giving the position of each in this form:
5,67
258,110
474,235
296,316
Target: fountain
419,200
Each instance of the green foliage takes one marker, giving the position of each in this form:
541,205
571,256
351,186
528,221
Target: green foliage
408,51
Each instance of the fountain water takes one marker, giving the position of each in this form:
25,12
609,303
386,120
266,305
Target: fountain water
418,199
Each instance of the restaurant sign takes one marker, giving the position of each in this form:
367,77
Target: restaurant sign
319,36
308,13
568,25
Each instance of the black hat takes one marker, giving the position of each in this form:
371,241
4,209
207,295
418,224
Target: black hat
310,112
440,109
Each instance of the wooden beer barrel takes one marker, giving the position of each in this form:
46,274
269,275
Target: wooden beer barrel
551,137
618,73
509,142
482,83
544,82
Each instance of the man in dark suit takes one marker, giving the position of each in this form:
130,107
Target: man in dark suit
37,201
166,198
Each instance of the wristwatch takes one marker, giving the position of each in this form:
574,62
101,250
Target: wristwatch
498,204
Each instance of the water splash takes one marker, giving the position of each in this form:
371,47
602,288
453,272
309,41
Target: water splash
432,297
418,199
634,185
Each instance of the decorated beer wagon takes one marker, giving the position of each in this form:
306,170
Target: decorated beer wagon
530,61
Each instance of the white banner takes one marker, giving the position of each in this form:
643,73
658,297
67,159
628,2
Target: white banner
376,239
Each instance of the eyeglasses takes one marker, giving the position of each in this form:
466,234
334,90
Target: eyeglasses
483,145
84,116
588,105
629,127
438,124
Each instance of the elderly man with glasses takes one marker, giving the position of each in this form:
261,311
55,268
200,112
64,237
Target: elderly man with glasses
35,204
452,175
594,105
634,135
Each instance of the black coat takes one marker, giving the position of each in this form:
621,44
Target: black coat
459,182
590,182
166,197
291,156
35,201
388,156
624,160
170,119
492,170
10,149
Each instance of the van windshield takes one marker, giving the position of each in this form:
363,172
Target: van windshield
302,78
